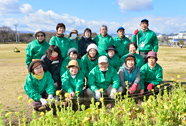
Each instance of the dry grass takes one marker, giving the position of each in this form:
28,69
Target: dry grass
13,72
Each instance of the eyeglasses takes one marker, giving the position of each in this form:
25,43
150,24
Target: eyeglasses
40,35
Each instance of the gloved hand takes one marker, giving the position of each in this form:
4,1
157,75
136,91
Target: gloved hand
113,93
97,95
132,89
149,87
43,101
136,32
50,97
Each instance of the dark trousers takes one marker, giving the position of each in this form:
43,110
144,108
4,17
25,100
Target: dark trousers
144,55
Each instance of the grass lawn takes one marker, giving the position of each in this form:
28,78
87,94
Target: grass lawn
13,72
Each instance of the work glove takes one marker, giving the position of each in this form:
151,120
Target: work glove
50,97
149,87
113,93
136,32
97,95
43,101
132,89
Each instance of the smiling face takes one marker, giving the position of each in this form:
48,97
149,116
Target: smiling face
103,31
38,70
103,66
87,34
130,63
54,54
60,30
73,56
151,61
40,36
144,25
132,49
92,52
73,70
111,53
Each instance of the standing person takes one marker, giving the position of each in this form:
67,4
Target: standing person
37,48
39,85
73,39
103,40
132,47
131,73
52,62
90,60
60,40
85,41
147,39
151,73
113,58
73,79
72,55
105,77
121,42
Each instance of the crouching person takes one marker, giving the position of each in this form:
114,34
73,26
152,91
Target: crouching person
39,85
130,73
103,77
73,79
151,73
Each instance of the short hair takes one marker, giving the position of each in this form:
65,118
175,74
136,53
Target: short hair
53,48
74,52
60,25
89,30
130,58
132,43
104,26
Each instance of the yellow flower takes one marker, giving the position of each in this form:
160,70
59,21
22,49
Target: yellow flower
17,113
120,93
152,90
158,86
30,101
57,92
20,97
8,114
178,76
61,119
101,90
101,99
66,95
85,119
42,113
97,103
173,79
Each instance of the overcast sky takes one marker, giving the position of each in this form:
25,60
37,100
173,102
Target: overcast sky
165,16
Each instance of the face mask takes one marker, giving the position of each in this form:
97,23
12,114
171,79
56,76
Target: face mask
73,36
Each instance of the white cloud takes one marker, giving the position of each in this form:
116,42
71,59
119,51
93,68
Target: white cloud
135,5
26,9
9,6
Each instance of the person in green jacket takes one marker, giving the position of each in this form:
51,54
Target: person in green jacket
90,60
131,73
103,77
151,73
73,39
147,39
72,55
113,58
39,85
103,40
132,46
60,40
121,42
73,79
37,48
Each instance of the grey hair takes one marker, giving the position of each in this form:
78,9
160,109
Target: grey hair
104,26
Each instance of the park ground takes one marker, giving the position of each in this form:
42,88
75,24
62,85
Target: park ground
13,72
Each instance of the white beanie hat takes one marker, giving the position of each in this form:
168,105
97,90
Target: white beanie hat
39,30
102,59
92,46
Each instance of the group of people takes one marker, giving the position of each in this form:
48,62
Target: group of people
106,63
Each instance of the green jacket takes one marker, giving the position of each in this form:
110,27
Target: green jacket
139,59
65,63
87,64
35,50
150,40
34,88
103,43
74,44
63,44
72,85
96,79
154,76
121,46
114,62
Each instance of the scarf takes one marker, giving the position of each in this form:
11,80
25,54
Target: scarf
53,58
92,58
60,35
39,77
